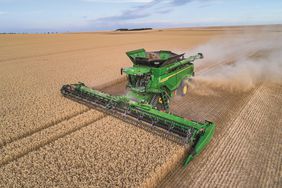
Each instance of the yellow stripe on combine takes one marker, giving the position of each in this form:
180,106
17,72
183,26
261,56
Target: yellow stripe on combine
166,78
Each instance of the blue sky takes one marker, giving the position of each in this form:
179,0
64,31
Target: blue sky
91,15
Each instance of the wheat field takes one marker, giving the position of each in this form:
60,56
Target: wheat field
48,140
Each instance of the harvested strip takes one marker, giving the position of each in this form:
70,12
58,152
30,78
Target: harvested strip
108,153
23,146
248,151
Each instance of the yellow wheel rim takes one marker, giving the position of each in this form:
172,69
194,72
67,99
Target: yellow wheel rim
160,100
185,88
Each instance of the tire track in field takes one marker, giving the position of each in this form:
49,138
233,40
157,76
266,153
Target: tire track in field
65,118
83,154
46,126
15,145
21,147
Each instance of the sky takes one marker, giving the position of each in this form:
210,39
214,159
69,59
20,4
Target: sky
94,15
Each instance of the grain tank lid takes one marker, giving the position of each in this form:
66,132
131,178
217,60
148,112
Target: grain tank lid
153,59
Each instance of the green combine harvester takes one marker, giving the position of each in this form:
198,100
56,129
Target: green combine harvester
152,81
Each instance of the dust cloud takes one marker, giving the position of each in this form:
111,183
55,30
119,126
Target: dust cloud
238,63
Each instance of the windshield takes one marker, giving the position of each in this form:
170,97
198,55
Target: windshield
138,80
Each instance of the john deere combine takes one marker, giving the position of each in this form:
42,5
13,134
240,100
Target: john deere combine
154,78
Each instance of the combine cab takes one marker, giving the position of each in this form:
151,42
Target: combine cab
153,80
156,76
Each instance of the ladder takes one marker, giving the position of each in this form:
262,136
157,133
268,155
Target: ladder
165,100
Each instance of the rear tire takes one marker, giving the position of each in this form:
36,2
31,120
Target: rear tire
184,87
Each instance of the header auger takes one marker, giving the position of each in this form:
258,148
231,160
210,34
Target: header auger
153,79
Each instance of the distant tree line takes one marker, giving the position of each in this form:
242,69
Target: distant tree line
136,29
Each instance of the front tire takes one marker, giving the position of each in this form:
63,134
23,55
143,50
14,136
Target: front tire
158,103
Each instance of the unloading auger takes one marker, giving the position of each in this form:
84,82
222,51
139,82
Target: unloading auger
154,78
